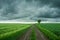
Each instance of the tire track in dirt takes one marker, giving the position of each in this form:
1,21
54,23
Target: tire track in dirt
26,36
39,34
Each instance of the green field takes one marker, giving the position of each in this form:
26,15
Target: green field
13,31
51,30
55,28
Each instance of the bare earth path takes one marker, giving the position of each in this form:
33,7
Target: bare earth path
39,34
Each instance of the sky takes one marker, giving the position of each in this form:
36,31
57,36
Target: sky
30,10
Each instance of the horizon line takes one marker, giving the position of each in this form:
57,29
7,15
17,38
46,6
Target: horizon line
29,22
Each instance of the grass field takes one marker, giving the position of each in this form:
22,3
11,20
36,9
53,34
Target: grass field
53,27
51,30
13,31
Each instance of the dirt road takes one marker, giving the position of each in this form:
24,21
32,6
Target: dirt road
39,34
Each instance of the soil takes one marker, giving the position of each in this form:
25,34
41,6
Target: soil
39,34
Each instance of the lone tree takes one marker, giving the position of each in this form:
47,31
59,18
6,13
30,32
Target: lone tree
39,21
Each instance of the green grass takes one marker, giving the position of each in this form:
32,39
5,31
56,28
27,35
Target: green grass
47,31
11,31
53,27
33,35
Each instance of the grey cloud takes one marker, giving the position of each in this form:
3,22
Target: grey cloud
52,3
46,10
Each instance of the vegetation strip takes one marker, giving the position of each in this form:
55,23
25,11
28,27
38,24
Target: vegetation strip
33,35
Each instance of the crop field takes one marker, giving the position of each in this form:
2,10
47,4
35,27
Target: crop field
16,31
55,28
12,31
52,30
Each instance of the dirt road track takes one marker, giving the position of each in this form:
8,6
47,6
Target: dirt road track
26,36
39,34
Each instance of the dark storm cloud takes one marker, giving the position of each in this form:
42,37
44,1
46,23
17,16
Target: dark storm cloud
53,3
30,10
7,9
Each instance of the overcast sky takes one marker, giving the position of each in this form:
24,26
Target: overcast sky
30,10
